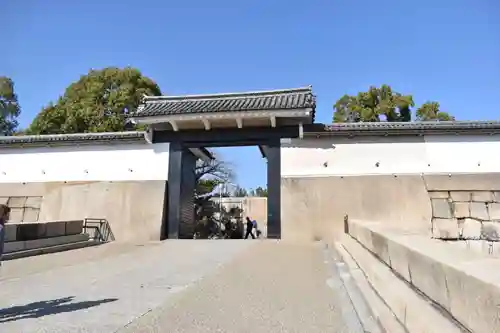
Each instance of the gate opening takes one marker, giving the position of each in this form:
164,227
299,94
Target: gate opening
229,189
193,124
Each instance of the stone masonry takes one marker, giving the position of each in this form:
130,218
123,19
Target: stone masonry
465,215
23,209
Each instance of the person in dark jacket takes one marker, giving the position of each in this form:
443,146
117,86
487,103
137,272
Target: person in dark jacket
249,229
4,217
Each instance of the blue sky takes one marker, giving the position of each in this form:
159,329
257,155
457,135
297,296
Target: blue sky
445,50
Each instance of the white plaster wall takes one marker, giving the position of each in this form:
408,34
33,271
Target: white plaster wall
433,154
113,162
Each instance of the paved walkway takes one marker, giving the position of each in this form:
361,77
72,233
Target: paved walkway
176,286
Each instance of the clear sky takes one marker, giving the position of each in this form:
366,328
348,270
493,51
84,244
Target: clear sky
444,50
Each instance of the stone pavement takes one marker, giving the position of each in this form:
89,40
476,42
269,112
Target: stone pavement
176,286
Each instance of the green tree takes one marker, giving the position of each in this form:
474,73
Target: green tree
261,192
240,192
97,102
205,186
375,105
258,192
9,107
430,111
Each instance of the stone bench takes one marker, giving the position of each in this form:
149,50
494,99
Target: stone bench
28,231
17,246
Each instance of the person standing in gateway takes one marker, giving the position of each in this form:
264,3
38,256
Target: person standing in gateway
249,229
4,216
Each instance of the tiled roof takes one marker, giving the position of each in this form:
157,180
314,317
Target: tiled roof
402,128
78,138
290,99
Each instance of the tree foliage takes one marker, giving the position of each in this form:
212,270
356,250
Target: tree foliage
430,111
384,104
257,192
375,105
9,107
205,186
261,192
97,102
240,192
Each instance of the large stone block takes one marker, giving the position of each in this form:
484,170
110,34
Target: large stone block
31,214
30,231
479,210
482,196
4,200
380,247
474,293
16,214
463,182
441,208
10,232
363,235
478,246
34,202
55,229
111,201
469,228
17,202
398,255
494,248
494,211
461,209
74,227
439,194
428,276
14,246
462,196
445,228
490,231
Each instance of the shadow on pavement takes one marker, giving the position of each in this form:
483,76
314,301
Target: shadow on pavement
45,308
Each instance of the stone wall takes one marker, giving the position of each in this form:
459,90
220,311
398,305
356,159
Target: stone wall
314,207
134,209
23,208
465,215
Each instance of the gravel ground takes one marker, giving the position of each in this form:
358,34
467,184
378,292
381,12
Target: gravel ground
175,286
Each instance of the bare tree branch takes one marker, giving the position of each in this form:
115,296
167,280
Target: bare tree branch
215,168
